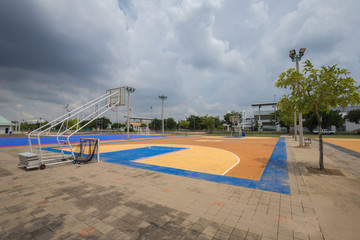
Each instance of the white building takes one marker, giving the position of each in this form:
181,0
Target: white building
348,126
262,115
5,125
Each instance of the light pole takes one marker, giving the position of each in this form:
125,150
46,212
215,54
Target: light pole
162,97
275,112
297,58
129,90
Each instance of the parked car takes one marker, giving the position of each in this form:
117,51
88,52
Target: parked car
325,132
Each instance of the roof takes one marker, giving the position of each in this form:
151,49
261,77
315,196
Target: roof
264,104
140,118
4,121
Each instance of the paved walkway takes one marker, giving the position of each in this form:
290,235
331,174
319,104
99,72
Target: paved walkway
110,201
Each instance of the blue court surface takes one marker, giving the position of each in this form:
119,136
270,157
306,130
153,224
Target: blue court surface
275,176
14,142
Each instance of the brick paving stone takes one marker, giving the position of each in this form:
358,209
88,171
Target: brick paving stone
65,200
221,235
239,233
203,237
253,236
190,234
209,231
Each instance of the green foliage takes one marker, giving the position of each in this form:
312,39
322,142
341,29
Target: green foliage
170,123
208,122
100,123
319,90
217,122
228,115
117,125
311,121
353,116
285,114
184,124
328,87
155,124
31,126
332,118
283,118
195,122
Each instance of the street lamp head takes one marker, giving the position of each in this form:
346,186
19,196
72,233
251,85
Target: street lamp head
292,53
301,52
163,97
130,89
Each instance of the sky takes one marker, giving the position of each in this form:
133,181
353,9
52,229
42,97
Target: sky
208,56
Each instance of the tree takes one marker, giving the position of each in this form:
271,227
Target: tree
353,116
155,124
170,123
117,125
184,124
281,118
230,114
195,122
332,118
217,123
311,121
292,79
285,114
320,90
208,122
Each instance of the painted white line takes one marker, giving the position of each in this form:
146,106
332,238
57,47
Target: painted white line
234,164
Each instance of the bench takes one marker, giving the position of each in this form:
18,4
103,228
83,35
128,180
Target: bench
307,141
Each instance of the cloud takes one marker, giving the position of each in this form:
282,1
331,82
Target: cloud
207,56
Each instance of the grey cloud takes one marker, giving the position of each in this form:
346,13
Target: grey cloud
207,56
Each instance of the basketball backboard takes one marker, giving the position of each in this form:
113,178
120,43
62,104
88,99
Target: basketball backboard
116,96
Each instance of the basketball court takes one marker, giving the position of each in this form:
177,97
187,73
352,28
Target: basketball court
253,162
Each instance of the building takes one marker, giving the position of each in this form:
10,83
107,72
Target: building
348,126
5,125
262,116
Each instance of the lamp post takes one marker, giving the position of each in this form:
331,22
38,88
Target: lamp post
162,97
297,58
129,90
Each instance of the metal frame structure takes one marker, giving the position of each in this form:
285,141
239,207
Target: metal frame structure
97,147
87,113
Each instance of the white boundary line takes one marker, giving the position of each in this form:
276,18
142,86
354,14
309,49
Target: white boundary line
234,164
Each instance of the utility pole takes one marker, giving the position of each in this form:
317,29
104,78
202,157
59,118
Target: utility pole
129,90
297,58
162,97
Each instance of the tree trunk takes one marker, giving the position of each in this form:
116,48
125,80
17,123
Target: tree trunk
295,127
301,131
321,145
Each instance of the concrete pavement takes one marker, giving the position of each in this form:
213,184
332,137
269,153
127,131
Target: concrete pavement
110,201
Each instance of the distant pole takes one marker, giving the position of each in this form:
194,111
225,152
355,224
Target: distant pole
129,90
162,97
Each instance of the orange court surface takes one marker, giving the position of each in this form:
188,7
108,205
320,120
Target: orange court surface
235,157
254,162
348,143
